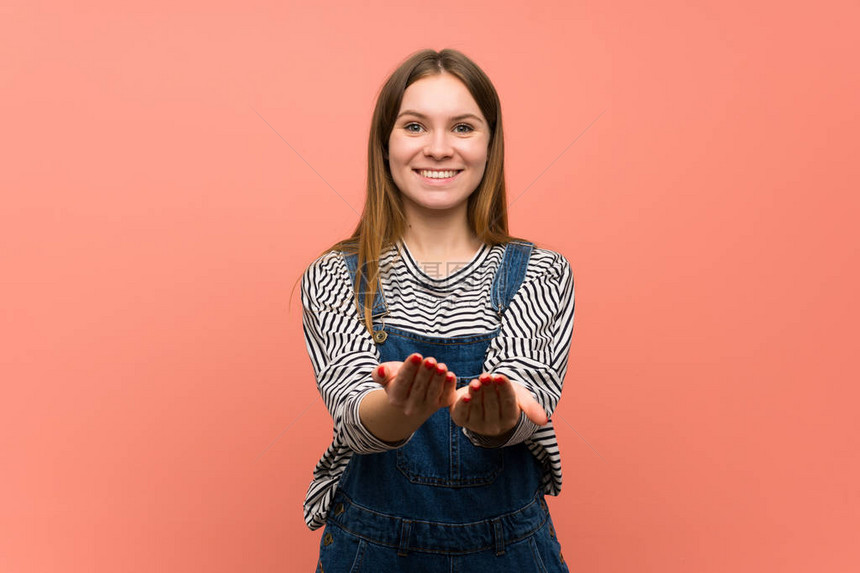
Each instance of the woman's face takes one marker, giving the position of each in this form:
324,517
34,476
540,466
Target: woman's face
440,128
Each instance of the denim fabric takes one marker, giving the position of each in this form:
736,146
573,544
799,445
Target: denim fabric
439,503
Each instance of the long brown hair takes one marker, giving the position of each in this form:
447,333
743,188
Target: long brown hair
383,220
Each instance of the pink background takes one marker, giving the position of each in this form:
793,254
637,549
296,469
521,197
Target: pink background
168,171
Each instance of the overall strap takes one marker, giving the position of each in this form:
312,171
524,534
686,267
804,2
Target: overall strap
379,307
510,274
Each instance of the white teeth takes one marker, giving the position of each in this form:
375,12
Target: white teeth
438,174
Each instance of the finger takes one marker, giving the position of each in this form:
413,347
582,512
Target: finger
417,398
531,407
380,375
461,409
386,372
437,384
398,389
449,390
476,400
392,367
474,393
492,413
509,409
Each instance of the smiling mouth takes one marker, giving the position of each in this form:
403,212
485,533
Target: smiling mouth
455,172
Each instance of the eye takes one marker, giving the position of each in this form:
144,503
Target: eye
468,128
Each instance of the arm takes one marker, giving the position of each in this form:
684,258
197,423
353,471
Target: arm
342,352
371,412
386,421
528,360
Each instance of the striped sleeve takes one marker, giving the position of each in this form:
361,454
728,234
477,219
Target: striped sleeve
532,348
341,351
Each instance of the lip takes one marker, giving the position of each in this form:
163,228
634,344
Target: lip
431,181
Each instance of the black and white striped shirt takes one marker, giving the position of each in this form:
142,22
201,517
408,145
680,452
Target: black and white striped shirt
531,348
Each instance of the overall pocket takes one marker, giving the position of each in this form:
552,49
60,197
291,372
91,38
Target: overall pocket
340,552
547,550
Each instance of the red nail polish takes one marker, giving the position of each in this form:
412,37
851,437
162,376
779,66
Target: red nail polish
429,365
450,377
381,371
467,399
439,369
416,359
484,378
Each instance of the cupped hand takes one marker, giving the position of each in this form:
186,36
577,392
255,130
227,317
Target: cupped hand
417,386
491,404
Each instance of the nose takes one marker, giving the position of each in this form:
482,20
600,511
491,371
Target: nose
438,145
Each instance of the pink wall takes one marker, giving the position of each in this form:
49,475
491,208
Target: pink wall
168,172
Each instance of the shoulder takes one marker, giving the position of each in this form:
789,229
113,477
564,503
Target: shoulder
325,272
547,264
331,262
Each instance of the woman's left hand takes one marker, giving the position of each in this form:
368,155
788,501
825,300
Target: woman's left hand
491,404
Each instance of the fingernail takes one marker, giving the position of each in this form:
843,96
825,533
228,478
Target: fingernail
429,365
381,371
450,377
484,378
416,359
439,369
467,399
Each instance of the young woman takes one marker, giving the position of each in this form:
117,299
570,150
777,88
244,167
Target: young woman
439,344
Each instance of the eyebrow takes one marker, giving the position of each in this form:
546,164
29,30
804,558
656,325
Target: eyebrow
422,116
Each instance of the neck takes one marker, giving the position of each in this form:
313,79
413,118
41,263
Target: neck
440,238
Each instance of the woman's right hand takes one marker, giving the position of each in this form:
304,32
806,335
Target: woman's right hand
417,386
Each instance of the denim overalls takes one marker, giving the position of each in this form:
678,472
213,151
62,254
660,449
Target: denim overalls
438,503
